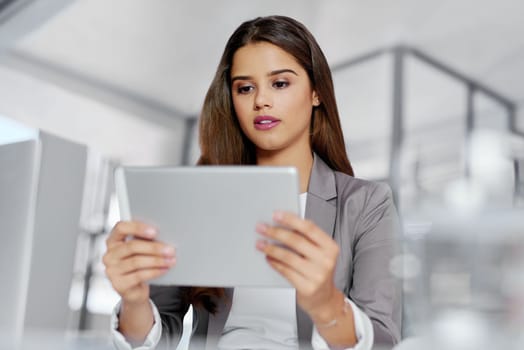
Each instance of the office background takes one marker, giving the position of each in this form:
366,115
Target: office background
430,95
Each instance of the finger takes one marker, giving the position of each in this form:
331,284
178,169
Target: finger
321,260
297,280
307,227
123,229
129,281
139,262
287,257
138,247
291,239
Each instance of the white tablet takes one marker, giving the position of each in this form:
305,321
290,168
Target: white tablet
209,214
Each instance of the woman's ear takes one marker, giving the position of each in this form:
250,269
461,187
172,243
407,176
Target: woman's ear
316,100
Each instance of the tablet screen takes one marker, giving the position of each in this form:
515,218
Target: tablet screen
209,214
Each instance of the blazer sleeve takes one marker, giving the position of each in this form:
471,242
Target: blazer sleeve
377,241
172,308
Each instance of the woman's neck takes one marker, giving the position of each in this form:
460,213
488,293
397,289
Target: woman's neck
303,161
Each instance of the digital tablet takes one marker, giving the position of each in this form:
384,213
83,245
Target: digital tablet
209,214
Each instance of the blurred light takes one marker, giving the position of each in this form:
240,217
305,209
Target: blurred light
492,166
11,131
406,266
464,196
461,329
489,149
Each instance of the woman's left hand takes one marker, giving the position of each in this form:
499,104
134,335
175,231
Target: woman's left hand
305,255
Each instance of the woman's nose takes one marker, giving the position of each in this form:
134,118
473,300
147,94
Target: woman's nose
263,99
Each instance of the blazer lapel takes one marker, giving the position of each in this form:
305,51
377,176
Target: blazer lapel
321,209
321,197
322,213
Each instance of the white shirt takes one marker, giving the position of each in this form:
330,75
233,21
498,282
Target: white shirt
261,318
268,323
363,328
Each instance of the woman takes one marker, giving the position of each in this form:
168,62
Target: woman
272,103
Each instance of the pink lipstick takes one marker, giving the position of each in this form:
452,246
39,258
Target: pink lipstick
265,122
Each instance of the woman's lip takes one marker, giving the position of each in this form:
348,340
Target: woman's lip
267,126
265,122
265,118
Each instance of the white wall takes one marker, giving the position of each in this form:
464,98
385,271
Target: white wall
115,134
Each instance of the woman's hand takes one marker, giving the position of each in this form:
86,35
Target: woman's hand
307,261
130,263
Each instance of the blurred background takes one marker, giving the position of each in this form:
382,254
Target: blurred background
430,95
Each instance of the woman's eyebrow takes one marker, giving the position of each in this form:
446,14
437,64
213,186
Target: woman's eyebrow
279,71
273,72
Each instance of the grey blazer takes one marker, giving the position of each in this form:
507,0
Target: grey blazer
361,218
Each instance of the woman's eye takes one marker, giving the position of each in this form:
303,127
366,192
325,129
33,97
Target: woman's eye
280,84
244,89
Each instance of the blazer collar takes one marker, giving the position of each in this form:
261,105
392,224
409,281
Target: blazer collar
321,180
322,194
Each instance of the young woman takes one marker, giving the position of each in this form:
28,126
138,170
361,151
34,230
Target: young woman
272,103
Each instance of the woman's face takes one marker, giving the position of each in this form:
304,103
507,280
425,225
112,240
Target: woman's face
272,97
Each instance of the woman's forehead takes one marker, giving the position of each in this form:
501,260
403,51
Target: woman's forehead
262,56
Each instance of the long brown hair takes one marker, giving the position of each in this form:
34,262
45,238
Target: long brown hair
222,141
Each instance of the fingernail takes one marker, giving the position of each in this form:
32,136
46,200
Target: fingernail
261,228
261,244
150,231
170,261
168,251
278,215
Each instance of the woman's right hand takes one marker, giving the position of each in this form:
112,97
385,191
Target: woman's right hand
130,263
